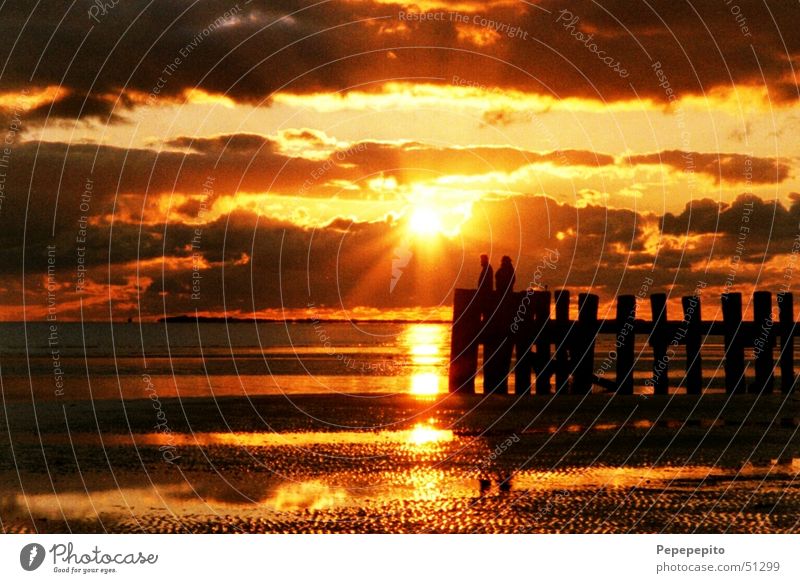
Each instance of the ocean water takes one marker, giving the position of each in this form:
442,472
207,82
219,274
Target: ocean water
95,360
108,360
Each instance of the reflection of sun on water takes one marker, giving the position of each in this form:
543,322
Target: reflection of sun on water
426,433
425,383
424,346
313,495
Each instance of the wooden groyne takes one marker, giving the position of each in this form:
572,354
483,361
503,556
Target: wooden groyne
559,353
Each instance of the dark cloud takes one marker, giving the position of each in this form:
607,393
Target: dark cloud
248,143
249,51
74,107
758,218
723,167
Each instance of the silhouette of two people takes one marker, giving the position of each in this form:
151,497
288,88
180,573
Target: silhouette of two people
494,306
504,280
505,277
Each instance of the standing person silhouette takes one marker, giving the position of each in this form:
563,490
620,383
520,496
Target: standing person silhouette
505,277
485,285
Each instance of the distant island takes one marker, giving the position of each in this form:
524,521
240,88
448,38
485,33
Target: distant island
186,319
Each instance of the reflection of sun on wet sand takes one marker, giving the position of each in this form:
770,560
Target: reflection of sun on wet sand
407,464
314,495
420,434
424,346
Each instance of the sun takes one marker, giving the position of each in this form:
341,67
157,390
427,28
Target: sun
426,221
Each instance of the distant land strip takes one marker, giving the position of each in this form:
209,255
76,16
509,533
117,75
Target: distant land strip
232,320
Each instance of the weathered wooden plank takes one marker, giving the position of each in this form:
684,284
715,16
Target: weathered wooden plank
464,341
659,340
787,326
734,347
522,328
543,368
559,331
625,343
583,344
763,343
694,342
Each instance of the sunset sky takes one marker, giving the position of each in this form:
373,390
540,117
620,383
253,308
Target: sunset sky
281,158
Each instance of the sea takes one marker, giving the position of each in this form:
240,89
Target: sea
109,360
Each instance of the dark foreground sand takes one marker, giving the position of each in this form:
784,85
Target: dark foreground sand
400,464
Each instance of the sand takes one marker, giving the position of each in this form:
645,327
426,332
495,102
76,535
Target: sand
464,464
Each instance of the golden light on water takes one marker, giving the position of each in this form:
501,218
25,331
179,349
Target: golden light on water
425,383
426,354
424,344
258,439
311,495
426,433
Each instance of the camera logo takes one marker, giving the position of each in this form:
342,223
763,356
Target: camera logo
31,556
402,255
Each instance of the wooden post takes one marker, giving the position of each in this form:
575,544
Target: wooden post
541,308
498,345
734,347
625,342
694,360
763,343
659,342
561,341
464,341
583,344
522,328
786,323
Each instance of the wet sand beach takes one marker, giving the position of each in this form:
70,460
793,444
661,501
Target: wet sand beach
399,463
